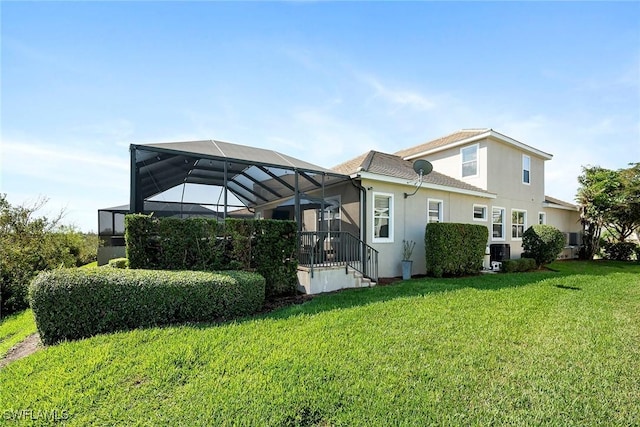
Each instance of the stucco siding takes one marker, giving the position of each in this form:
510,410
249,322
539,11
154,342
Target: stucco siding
410,219
504,174
449,162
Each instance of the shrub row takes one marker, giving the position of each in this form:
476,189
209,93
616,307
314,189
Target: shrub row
517,265
454,249
78,303
265,246
620,251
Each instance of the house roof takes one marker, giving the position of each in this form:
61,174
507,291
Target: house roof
393,166
462,137
560,203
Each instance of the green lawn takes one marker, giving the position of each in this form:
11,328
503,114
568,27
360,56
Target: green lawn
544,348
14,329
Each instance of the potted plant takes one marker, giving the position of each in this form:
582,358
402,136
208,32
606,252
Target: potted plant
407,250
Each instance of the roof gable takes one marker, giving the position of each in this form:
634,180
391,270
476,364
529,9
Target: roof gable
393,166
463,137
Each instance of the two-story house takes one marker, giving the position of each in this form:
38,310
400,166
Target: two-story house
358,214
479,176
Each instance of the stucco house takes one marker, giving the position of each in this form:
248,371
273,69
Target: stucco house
354,217
479,176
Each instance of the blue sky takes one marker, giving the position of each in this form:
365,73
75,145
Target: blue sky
323,82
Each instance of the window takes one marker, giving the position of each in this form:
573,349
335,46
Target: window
479,213
518,223
526,169
469,160
497,223
434,210
542,218
382,217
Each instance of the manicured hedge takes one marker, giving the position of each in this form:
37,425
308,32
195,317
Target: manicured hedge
265,246
517,265
454,249
118,263
78,303
543,243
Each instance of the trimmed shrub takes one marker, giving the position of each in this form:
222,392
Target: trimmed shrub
543,243
454,249
77,303
118,263
518,265
619,251
265,246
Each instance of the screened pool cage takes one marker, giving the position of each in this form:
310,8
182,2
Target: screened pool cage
214,179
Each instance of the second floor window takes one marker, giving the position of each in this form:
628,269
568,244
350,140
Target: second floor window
469,160
526,169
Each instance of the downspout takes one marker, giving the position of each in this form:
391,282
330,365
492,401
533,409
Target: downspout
363,210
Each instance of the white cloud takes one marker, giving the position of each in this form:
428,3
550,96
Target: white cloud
79,180
399,98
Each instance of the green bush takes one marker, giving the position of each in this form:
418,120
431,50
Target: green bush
454,249
543,243
78,303
30,243
619,251
265,246
118,263
637,252
518,265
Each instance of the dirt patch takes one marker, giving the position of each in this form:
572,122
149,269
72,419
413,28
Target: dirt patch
29,346
275,303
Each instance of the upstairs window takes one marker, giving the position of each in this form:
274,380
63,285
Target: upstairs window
518,223
526,169
434,210
469,160
382,217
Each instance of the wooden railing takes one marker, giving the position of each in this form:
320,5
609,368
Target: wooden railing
330,248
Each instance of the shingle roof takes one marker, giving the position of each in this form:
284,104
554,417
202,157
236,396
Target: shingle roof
394,166
559,202
440,142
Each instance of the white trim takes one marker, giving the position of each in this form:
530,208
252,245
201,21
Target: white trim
373,217
524,225
394,180
524,156
440,209
504,225
488,133
477,160
544,215
486,212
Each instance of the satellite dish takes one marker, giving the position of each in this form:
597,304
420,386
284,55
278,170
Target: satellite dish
422,167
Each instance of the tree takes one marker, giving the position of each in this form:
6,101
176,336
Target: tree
608,200
31,243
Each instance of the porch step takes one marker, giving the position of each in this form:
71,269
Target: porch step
329,279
